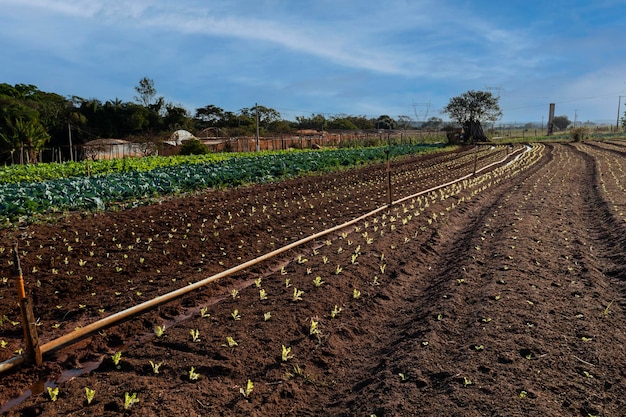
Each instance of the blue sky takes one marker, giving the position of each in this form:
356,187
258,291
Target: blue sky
357,57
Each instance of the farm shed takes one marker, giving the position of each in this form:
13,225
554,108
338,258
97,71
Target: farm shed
115,148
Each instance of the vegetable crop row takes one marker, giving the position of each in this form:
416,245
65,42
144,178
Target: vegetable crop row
92,193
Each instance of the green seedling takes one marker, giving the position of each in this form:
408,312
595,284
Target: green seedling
297,294
89,394
338,270
479,347
606,310
313,329
286,353
467,381
375,281
356,294
159,331
403,377
155,366
195,335
53,393
117,357
318,281
3,344
302,259
335,311
586,339
287,282
523,394
129,400
235,315
204,312
262,294
234,294
193,375
231,342
257,282
267,316
248,390
382,268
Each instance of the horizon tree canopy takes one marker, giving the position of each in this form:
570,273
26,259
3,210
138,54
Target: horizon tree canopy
472,108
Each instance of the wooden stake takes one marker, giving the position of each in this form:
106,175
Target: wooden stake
29,325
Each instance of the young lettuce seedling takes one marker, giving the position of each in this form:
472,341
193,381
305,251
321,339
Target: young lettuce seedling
89,394
117,357
297,294
129,400
195,335
193,375
159,331
318,281
248,390
335,311
53,393
313,328
155,366
286,353
267,316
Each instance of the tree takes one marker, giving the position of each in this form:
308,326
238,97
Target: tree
341,123
385,122
472,108
209,115
404,122
28,133
146,92
433,123
561,122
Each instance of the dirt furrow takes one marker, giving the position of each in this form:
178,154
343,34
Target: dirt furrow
519,317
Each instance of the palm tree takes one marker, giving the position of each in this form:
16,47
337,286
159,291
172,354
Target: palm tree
29,134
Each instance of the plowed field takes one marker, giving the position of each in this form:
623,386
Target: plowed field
500,295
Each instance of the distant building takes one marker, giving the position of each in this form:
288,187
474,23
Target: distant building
116,148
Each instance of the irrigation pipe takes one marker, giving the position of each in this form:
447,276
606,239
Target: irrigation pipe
127,314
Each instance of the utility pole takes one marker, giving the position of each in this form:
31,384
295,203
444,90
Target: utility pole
258,145
417,116
69,131
619,103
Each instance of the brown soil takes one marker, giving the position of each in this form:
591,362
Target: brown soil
499,296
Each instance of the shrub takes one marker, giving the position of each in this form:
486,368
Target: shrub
578,134
193,147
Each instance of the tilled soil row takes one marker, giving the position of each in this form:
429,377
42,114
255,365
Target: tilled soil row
487,301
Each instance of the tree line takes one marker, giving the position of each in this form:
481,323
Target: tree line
32,120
